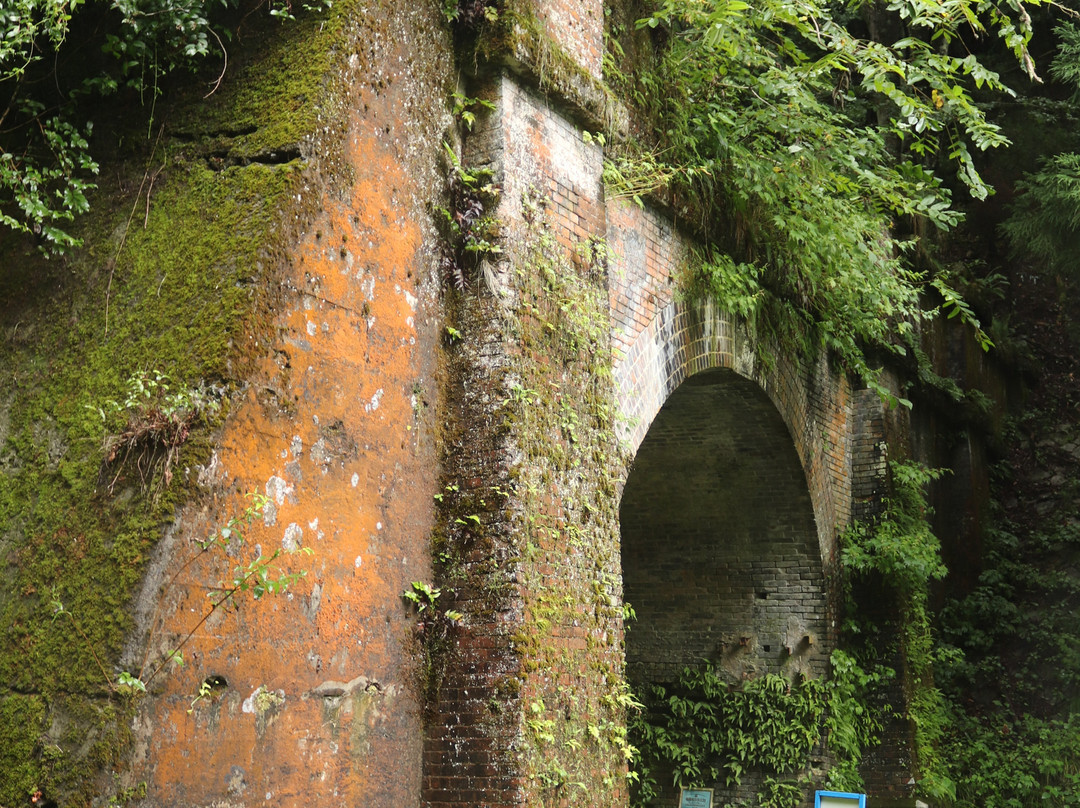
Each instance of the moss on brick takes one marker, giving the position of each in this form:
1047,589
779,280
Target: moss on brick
178,283
537,578
279,93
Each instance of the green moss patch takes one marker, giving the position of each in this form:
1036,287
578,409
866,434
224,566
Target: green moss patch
20,720
174,283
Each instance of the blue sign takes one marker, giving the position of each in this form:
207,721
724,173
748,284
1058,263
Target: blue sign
696,798
838,799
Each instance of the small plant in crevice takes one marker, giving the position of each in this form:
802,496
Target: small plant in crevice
464,106
433,636
286,9
472,232
149,425
468,15
426,599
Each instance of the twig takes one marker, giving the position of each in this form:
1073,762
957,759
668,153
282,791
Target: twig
146,219
157,608
223,67
225,597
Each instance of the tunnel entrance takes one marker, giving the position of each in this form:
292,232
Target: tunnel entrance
720,552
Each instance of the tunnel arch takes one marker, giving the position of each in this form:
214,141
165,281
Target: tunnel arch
730,511
720,555
824,418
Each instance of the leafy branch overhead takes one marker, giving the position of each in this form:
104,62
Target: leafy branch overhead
58,60
817,141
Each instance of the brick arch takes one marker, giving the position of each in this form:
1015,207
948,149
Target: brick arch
815,402
730,513
718,539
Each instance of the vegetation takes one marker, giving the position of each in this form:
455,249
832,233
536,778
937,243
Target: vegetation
819,148
829,154
705,729
1014,724
59,60
816,143
1008,663
170,285
896,552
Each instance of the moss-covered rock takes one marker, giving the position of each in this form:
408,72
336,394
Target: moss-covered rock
178,266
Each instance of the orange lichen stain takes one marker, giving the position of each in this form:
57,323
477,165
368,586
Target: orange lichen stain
347,479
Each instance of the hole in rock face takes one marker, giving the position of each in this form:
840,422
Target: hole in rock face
215,682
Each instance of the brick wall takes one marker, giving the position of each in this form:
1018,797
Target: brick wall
577,26
747,461
719,545
472,703
335,422
524,709
660,340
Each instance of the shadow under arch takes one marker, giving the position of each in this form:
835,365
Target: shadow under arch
815,401
720,554
729,514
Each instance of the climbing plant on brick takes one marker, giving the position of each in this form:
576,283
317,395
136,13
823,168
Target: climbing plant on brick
559,403
812,149
705,729
897,552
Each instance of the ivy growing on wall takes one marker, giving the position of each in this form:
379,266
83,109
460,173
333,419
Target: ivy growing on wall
814,144
705,729
897,552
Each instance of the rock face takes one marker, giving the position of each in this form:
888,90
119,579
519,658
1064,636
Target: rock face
464,447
